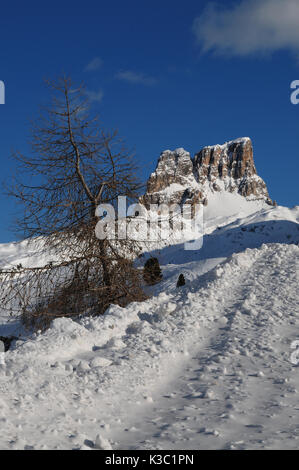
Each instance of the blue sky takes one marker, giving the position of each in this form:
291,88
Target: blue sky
166,74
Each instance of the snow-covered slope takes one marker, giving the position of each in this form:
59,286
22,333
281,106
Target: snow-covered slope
204,366
207,366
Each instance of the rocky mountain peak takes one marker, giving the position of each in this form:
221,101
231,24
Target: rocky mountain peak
229,167
172,178
174,167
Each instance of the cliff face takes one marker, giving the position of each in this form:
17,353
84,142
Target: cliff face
172,178
229,167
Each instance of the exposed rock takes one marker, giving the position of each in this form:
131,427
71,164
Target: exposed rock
173,179
180,179
232,165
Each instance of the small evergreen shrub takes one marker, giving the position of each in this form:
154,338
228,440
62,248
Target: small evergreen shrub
152,272
181,281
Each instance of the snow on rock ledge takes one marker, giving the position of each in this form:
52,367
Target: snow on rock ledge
168,183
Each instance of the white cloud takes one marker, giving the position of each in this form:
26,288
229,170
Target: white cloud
94,64
133,77
94,96
249,27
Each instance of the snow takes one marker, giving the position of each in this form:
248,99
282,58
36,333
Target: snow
224,204
204,366
102,443
240,140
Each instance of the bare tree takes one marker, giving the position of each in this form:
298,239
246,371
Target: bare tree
74,166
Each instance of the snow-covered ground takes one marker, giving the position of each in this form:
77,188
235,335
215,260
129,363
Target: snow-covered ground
204,366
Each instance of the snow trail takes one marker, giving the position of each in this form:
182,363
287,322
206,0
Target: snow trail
205,366
239,389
